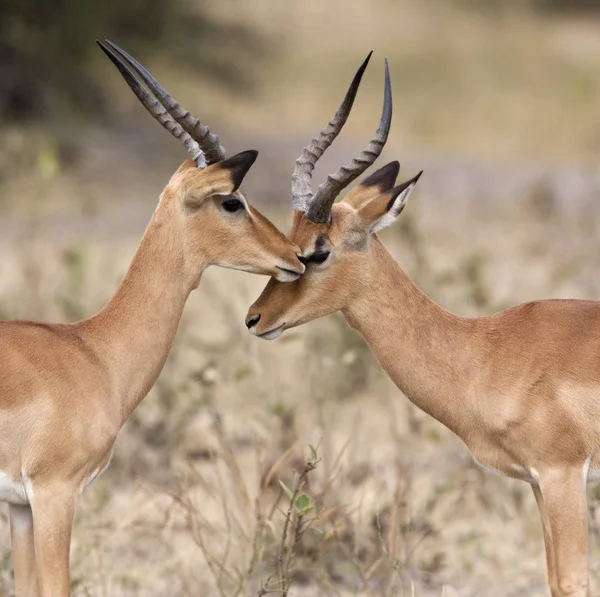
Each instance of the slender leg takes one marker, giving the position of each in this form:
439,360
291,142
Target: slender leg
53,509
550,559
23,550
563,495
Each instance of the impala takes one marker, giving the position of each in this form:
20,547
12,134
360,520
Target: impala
521,388
67,389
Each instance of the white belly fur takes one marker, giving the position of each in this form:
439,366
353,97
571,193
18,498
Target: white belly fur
11,491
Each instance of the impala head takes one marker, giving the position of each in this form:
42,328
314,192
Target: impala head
211,217
336,240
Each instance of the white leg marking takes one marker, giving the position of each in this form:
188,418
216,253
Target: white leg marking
28,489
586,470
529,475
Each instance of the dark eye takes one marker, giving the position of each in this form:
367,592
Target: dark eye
232,205
319,257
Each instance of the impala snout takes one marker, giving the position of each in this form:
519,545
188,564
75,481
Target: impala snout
283,257
288,272
256,330
264,321
252,320
265,332
290,266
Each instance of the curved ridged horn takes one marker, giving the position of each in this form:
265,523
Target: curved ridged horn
208,141
157,110
320,206
301,179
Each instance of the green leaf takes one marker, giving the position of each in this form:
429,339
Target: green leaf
286,490
302,502
313,453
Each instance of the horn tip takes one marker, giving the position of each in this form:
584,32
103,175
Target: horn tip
105,49
363,66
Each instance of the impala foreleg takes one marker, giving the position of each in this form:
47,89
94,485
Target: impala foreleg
53,507
562,502
23,551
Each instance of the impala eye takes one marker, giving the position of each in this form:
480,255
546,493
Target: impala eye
319,257
232,205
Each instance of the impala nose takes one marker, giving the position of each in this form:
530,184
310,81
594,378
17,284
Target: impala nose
252,320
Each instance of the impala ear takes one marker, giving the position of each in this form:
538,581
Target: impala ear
384,209
237,166
221,178
371,187
384,178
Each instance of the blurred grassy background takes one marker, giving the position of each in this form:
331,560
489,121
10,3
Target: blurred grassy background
497,101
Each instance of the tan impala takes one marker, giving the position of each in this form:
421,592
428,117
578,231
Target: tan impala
521,388
66,390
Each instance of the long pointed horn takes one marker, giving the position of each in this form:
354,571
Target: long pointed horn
320,207
208,141
157,110
301,179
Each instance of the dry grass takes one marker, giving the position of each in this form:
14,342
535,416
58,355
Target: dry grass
191,504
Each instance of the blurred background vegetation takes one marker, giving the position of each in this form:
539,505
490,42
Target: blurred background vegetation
49,67
498,101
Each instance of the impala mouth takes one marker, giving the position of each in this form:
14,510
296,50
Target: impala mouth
286,275
270,334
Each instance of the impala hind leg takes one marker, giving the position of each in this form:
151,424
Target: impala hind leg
53,509
550,558
565,518
23,551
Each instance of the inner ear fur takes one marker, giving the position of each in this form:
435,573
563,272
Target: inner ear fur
374,209
221,178
384,209
374,185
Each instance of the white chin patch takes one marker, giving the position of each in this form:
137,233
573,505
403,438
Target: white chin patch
285,276
271,335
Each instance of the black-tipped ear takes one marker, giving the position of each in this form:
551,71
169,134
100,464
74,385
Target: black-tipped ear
238,165
384,178
397,191
386,207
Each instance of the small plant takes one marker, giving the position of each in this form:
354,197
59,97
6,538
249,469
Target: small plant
295,525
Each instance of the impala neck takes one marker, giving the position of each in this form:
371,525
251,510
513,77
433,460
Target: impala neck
135,330
427,351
